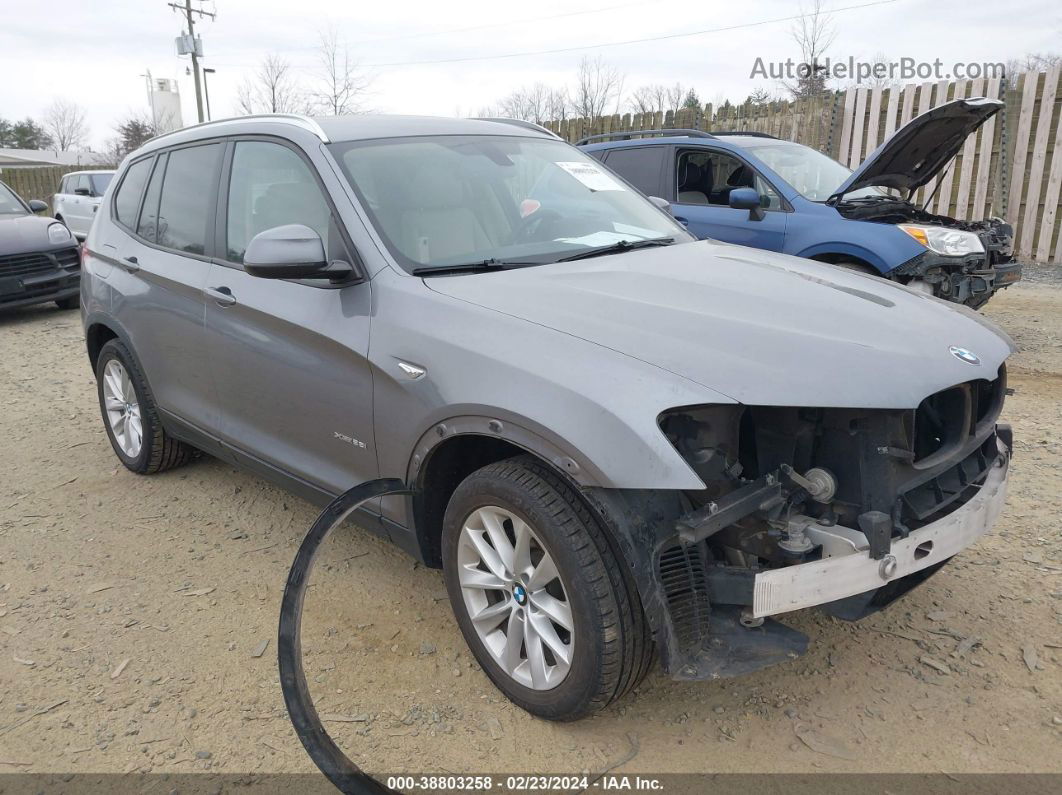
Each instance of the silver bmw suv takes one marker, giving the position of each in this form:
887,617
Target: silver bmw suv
620,442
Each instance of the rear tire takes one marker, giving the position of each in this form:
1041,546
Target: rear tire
608,644
130,415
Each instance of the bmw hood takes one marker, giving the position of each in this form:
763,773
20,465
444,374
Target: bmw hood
916,152
23,234
761,328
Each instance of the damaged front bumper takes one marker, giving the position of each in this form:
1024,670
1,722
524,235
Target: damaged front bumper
847,567
965,280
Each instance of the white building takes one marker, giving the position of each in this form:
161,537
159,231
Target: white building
165,105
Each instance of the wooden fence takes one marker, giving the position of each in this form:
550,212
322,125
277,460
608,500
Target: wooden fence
36,182
1012,167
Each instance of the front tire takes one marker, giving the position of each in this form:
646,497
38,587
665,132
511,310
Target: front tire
544,602
131,416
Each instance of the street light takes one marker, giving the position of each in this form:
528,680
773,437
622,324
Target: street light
206,89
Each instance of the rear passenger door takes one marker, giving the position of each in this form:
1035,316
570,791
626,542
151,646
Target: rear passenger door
701,185
289,357
167,206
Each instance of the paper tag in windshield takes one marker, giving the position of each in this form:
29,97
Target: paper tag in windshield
591,175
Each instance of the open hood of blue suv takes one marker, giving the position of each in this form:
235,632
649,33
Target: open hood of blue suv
916,152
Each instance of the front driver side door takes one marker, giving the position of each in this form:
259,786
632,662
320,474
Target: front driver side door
289,358
702,184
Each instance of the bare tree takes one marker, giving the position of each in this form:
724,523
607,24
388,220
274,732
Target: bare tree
273,88
650,99
1032,62
598,86
65,122
814,33
341,85
675,95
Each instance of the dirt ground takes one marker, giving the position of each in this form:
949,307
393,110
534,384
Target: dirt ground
133,611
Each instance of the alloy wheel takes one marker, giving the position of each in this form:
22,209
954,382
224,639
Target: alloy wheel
515,597
123,408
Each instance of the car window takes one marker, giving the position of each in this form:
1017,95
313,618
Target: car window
63,185
83,183
269,186
9,202
446,200
811,173
147,227
707,177
127,199
641,166
100,183
185,206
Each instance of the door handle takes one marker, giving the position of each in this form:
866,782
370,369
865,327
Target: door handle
131,264
222,295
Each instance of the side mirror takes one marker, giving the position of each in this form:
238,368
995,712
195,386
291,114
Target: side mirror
37,206
82,191
662,204
292,251
747,199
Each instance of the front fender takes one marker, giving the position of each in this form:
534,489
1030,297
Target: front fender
589,410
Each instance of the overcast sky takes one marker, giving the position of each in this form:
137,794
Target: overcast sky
96,53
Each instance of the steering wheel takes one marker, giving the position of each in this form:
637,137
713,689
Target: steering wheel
530,227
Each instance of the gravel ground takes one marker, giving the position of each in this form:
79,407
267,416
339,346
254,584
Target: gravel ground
133,613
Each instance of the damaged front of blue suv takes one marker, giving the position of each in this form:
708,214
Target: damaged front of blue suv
757,190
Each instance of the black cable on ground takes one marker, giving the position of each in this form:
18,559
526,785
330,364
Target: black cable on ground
342,772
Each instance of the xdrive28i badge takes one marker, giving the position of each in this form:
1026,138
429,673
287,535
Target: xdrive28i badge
964,355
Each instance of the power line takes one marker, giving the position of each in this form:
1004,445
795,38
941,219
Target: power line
507,23
665,37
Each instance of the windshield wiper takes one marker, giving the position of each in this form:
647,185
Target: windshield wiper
619,247
489,264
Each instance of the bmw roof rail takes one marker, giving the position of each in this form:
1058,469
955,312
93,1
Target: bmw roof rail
527,125
297,119
624,135
750,133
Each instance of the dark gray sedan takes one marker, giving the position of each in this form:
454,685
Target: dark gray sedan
39,258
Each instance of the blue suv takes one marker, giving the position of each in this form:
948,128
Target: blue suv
756,190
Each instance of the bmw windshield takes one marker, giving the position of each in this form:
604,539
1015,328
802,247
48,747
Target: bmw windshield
814,175
469,200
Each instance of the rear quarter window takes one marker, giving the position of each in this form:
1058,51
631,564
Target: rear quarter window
127,199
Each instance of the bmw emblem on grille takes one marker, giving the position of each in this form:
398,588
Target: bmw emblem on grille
964,355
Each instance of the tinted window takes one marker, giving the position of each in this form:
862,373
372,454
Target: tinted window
641,166
100,183
187,198
149,213
271,186
127,200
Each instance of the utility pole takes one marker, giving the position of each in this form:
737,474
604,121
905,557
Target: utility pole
188,11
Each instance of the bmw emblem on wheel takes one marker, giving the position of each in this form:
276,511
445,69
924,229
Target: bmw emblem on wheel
964,355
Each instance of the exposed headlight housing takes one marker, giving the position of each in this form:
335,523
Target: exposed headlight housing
58,233
941,240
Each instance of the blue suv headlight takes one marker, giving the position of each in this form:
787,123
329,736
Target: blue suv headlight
941,240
